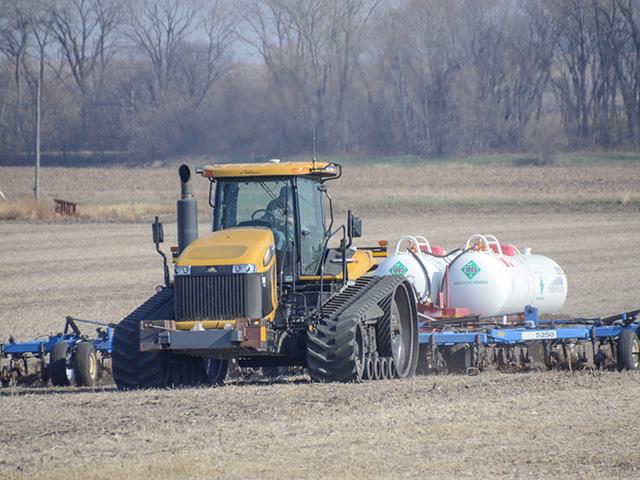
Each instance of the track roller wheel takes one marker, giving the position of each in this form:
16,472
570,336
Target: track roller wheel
628,352
369,369
377,369
61,365
384,368
85,365
392,367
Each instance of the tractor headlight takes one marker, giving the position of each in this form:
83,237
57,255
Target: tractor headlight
244,268
182,270
268,255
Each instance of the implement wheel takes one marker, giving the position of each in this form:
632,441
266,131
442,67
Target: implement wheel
628,354
60,365
133,369
85,365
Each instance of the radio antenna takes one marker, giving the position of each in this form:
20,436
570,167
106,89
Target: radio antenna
313,132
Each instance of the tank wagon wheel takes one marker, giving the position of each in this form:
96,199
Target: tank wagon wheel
133,369
628,352
61,365
85,365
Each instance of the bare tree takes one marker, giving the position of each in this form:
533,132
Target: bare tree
203,63
312,47
85,32
14,35
158,30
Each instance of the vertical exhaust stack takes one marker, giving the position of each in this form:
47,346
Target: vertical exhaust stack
187,208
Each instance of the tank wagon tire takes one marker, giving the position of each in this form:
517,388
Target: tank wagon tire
58,365
133,369
85,365
628,352
216,371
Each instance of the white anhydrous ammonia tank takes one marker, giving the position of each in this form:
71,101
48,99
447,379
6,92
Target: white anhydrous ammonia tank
486,277
490,283
423,266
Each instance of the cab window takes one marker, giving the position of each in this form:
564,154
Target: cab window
312,228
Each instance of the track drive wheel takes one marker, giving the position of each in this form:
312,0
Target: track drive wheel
628,352
398,332
133,369
61,365
85,365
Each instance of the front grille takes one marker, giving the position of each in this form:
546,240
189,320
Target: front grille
217,297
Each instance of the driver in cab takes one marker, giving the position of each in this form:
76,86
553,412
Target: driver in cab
281,220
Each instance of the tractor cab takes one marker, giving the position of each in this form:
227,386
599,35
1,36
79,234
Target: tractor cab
287,198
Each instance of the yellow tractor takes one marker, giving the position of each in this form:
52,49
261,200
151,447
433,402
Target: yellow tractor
275,284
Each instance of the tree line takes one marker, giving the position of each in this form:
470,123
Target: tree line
252,78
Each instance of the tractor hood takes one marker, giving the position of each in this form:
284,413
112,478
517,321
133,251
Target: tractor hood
233,246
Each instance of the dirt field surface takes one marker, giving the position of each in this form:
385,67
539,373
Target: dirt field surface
533,425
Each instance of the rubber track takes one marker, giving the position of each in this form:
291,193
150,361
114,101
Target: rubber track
330,353
383,329
133,369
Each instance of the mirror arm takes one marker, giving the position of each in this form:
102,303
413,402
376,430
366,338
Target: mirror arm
349,229
157,238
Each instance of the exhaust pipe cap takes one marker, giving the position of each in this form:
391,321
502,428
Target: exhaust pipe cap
185,173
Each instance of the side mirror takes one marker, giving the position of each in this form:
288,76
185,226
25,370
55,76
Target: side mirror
354,225
158,232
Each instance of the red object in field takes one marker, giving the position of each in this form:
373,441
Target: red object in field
62,207
435,249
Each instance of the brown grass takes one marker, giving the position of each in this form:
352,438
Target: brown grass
125,194
26,208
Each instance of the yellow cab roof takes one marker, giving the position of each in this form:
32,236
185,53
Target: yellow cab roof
324,170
